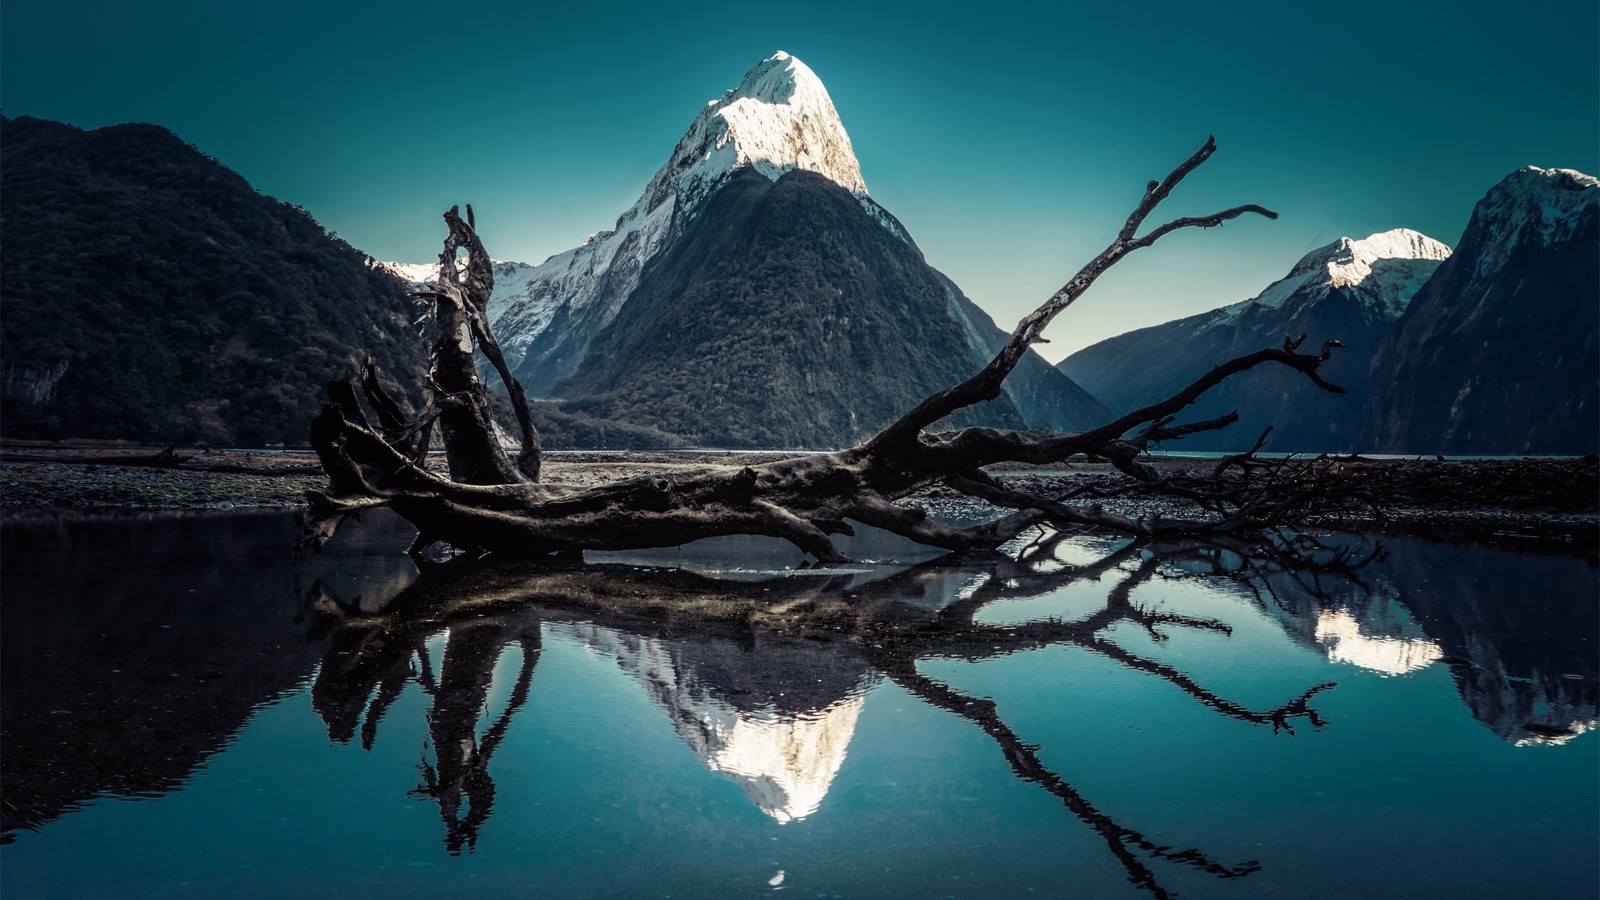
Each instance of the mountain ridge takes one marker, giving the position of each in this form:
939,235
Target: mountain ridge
152,294
1350,289
1500,351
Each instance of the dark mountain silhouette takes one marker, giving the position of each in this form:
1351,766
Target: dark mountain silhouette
149,293
1498,353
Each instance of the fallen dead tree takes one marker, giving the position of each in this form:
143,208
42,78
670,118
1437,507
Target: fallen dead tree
494,503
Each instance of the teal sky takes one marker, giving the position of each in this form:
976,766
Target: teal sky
1012,139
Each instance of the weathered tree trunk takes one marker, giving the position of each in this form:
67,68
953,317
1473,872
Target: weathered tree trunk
460,310
485,506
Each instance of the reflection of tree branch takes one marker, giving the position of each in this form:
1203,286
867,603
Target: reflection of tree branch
1025,762
1024,576
1279,717
376,656
389,690
885,621
975,642
357,660
462,760
962,637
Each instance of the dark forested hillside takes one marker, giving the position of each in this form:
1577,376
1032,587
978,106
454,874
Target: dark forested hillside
149,293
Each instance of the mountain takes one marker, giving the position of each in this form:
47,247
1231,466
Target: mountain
1498,352
151,294
782,316
779,118
1351,290
755,295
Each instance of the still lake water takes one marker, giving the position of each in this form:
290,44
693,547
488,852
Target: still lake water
185,713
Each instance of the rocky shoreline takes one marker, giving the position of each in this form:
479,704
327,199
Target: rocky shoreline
1538,498
47,482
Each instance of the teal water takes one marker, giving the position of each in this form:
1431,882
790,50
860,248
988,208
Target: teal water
185,713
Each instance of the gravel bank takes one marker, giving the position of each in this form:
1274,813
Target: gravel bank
1555,498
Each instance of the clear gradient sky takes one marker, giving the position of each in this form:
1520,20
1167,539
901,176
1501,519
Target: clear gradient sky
1011,139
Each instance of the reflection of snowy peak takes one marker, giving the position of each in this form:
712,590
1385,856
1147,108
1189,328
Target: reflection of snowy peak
1394,650
785,760
1529,706
1521,651
786,764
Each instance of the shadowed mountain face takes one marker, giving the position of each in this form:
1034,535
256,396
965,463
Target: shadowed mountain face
785,315
1349,290
151,294
1500,352
1525,653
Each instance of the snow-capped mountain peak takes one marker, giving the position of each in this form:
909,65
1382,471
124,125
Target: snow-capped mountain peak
779,118
1383,270
1531,204
1349,263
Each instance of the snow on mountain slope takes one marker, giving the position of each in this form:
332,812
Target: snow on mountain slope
1531,205
1497,353
1383,271
511,279
1350,290
779,118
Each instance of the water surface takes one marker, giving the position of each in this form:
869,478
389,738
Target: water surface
187,713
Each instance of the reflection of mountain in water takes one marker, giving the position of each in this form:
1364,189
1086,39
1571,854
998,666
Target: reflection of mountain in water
1520,639
135,648
775,717
1528,634
1393,647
